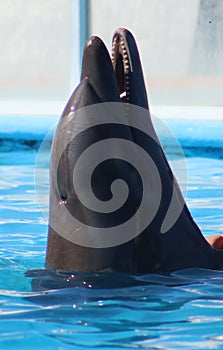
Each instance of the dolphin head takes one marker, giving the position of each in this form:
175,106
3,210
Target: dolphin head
99,85
115,81
118,80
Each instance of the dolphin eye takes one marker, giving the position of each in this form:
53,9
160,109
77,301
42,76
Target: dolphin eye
63,196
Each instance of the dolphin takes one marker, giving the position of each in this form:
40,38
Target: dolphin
172,240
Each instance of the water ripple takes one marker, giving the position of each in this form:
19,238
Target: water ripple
44,309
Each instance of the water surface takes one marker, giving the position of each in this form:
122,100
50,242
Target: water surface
108,311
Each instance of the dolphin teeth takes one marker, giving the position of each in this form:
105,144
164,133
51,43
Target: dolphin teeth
121,63
113,50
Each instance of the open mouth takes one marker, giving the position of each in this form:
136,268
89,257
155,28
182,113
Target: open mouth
122,65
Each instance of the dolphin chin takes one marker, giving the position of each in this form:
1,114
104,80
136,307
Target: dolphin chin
172,240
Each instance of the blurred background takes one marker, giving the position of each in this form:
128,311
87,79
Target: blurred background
41,43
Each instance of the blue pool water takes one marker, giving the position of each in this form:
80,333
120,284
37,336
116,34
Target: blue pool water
106,311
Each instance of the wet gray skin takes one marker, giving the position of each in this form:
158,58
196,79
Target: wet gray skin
159,248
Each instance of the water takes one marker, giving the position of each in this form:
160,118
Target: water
106,311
